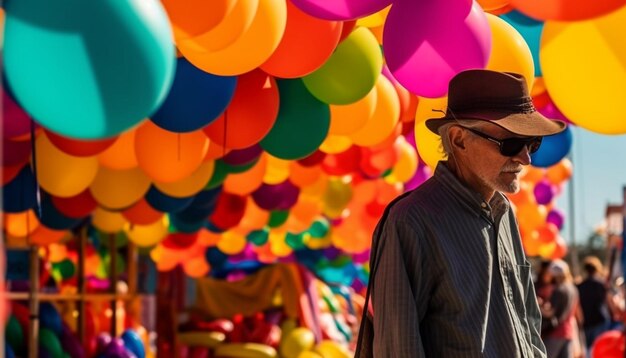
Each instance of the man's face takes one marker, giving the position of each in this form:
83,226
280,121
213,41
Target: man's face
491,168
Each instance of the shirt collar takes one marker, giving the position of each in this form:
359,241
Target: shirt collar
470,198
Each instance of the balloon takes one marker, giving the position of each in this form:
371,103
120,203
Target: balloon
20,224
115,78
297,341
121,154
70,343
335,144
302,176
530,29
141,213
384,118
78,206
190,185
560,172
428,145
404,169
248,181
509,50
15,152
581,85
350,72
148,235
248,51
609,344
231,243
21,193
15,121
544,192
165,203
332,349
196,267
49,341
50,318
566,10
302,123
14,334
341,9
176,156
79,148
273,197
347,119
108,221
10,172
250,115
228,211
306,44
556,217
425,61
52,218
61,174
193,18
553,148
44,236
119,189
196,99
491,5
133,343
243,156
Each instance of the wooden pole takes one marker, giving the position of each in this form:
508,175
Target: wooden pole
82,305
113,270
33,302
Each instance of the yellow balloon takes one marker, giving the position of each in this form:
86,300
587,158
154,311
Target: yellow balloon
374,20
338,194
277,170
335,144
405,167
277,243
248,51
108,221
509,50
430,108
583,66
61,174
428,145
148,235
385,117
330,349
348,118
297,341
190,185
119,189
231,243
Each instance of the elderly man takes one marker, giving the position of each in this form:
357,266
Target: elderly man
449,275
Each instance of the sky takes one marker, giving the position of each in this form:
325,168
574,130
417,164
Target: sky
599,176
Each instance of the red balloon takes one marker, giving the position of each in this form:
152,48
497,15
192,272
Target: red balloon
9,172
609,345
15,152
342,163
228,211
313,159
79,148
77,206
180,240
142,213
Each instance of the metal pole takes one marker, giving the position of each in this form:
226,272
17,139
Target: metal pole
82,305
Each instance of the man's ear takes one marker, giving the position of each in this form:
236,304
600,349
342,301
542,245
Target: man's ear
457,138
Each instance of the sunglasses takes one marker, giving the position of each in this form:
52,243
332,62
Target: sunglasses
510,147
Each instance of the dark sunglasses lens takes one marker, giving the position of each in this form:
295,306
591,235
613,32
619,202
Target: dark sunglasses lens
512,146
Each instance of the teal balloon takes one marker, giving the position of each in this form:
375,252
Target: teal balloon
133,343
350,72
258,237
530,29
88,69
295,241
319,228
51,343
302,123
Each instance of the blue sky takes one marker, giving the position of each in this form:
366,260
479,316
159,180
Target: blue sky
599,175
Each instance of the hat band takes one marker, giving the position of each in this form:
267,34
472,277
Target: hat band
524,105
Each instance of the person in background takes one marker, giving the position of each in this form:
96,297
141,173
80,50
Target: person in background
593,300
453,279
559,316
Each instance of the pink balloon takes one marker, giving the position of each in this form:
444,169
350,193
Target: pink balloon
428,42
550,110
15,121
340,10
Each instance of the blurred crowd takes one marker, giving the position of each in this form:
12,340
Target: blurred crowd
576,310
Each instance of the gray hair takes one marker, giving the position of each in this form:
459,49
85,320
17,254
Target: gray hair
446,146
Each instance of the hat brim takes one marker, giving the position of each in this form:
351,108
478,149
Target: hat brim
532,124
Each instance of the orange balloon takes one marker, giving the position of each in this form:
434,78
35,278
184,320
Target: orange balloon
531,216
108,221
561,248
531,242
408,103
190,185
196,267
253,217
524,196
57,252
167,156
560,172
489,5
121,154
215,151
246,182
46,236
347,119
548,233
141,213
532,174
119,189
302,176
566,10
194,17
208,238
250,115
20,224
306,44
385,117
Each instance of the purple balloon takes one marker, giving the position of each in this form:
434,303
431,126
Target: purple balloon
341,10
551,111
428,42
15,121
357,285
556,217
71,344
422,174
243,156
276,197
361,257
544,192
247,254
102,342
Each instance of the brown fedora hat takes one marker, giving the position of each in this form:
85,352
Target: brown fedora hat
499,97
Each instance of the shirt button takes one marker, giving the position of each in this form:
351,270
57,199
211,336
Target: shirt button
483,205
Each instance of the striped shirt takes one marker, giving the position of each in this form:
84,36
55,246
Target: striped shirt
453,280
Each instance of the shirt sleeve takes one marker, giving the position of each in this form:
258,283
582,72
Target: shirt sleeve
534,321
396,295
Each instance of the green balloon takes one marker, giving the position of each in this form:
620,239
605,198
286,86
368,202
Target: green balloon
14,334
277,218
319,229
235,169
295,241
65,268
350,72
302,123
88,69
258,237
50,342
220,172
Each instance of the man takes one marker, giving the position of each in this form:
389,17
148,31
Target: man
450,278
594,300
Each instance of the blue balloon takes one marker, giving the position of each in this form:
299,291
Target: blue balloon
8,351
50,318
185,225
133,343
20,193
553,149
530,29
88,69
165,203
196,99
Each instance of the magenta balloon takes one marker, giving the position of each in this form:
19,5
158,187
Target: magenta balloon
340,10
544,192
551,111
428,42
15,152
422,174
15,121
243,156
556,217
276,197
